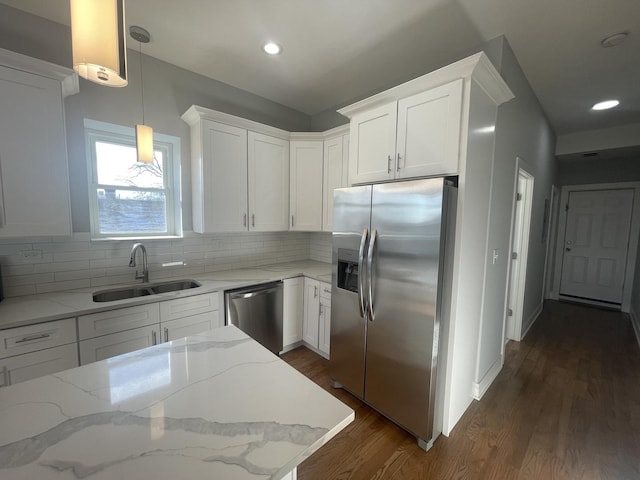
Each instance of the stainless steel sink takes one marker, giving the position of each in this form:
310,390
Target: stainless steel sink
143,290
121,293
174,286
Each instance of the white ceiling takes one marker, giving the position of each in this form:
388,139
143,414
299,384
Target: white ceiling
338,50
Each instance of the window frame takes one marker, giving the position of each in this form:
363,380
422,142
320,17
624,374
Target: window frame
96,131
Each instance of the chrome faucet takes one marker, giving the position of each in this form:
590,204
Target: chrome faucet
132,262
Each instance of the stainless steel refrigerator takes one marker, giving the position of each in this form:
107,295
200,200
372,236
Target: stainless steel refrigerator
391,264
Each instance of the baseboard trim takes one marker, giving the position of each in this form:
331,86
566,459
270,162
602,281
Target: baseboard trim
532,319
635,321
479,389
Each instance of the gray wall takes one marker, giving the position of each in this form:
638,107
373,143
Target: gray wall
522,130
168,92
588,171
635,299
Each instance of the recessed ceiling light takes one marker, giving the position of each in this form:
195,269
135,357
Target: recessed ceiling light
607,104
272,48
615,39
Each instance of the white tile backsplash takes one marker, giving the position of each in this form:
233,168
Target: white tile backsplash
49,264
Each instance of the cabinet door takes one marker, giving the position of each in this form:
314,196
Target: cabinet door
37,364
429,132
335,175
268,183
108,346
220,180
34,177
305,187
311,312
373,145
324,327
183,327
292,310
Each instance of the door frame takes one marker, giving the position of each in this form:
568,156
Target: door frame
552,234
633,235
527,204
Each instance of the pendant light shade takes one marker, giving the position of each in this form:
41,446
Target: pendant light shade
144,143
98,41
144,133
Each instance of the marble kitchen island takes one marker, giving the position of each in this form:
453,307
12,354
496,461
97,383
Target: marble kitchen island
211,406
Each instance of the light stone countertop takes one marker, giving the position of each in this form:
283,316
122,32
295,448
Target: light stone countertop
31,309
214,405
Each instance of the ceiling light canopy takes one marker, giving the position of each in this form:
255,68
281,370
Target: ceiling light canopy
272,48
606,105
98,41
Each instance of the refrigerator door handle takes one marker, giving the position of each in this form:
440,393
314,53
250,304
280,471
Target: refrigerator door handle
372,244
363,242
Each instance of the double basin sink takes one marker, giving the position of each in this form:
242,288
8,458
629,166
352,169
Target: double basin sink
143,290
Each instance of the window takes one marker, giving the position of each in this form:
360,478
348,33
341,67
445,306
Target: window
130,199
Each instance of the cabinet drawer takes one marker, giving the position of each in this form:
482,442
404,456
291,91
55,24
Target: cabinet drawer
16,341
188,306
37,364
107,346
325,290
112,321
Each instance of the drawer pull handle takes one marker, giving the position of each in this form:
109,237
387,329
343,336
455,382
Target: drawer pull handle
5,377
166,334
154,340
33,337
327,290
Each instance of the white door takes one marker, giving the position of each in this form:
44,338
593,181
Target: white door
596,245
37,364
429,132
223,206
305,186
107,346
292,310
311,312
373,145
183,327
335,161
519,254
268,183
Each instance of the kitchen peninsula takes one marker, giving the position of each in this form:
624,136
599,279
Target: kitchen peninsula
214,405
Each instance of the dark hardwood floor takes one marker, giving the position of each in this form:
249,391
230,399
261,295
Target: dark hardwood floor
565,406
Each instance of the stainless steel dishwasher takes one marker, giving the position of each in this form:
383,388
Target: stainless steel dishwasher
257,311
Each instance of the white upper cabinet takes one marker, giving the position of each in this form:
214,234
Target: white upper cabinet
373,145
239,173
306,185
220,180
335,175
428,141
416,136
268,183
34,177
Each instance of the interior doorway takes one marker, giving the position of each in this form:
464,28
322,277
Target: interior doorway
523,200
596,242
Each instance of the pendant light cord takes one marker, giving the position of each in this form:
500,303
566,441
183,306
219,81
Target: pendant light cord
141,81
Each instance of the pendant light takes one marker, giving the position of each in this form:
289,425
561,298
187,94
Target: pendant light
98,41
144,133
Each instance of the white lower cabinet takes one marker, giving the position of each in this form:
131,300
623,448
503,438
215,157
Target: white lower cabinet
324,324
36,350
37,364
317,316
311,312
107,346
183,327
292,312
154,323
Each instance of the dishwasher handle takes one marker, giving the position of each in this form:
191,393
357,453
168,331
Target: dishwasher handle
254,290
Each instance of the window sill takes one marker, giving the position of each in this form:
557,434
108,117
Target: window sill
155,237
